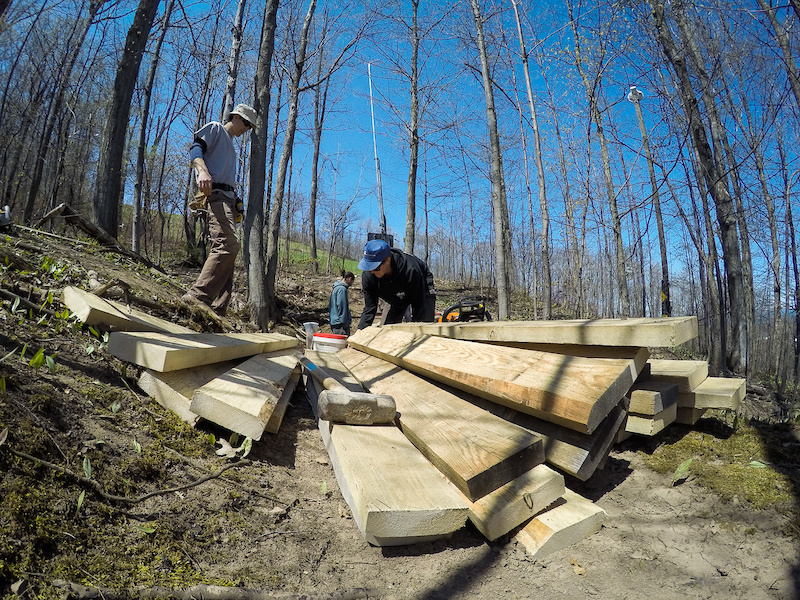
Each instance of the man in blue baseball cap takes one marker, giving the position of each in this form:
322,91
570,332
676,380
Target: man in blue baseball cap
402,280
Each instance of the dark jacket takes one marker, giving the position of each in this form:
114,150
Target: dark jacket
410,284
338,305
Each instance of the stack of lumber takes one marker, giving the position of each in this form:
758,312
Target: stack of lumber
577,385
242,382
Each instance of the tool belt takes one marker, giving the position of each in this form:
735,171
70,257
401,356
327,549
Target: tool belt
222,186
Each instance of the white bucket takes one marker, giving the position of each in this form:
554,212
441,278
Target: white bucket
311,328
329,342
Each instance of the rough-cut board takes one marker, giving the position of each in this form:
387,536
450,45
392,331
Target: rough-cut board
94,310
561,526
651,425
396,496
572,391
659,332
504,509
279,410
478,451
171,352
639,356
689,416
688,374
243,399
715,392
650,397
173,390
577,454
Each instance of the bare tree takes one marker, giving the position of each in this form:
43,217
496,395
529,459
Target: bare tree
254,217
140,155
716,181
233,60
110,165
501,230
547,287
77,35
592,93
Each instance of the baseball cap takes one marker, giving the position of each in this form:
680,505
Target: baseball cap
374,253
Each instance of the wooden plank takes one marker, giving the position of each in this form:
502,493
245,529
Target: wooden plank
243,399
637,356
640,332
650,397
94,310
715,392
561,526
511,505
477,451
171,352
689,416
396,497
279,411
651,425
173,390
572,391
688,374
577,454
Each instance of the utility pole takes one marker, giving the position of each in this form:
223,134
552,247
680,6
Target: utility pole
381,216
634,96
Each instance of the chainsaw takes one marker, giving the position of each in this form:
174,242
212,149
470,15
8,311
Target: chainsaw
470,308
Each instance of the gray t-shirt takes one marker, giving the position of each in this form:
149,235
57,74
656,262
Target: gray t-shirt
219,153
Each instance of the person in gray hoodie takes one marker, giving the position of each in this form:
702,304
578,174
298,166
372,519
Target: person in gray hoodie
339,306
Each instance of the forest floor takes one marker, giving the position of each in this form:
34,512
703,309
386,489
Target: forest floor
276,523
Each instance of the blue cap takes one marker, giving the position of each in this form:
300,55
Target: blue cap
374,253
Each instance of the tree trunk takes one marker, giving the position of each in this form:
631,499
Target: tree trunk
55,109
320,106
635,96
616,222
286,154
500,212
254,215
140,155
413,136
716,183
110,163
547,279
233,60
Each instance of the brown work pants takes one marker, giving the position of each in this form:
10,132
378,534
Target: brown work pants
215,282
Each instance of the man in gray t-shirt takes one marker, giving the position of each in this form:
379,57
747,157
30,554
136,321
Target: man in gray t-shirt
213,157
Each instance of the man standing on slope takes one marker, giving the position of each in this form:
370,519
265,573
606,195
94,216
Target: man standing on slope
213,157
402,280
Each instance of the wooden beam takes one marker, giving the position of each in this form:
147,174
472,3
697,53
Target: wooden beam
572,391
688,374
561,526
577,454
715,392
478,451
244,398
689,416
94,310
643,332
171,352
650,397
279,411
511,505
396,497
651,425
173,390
